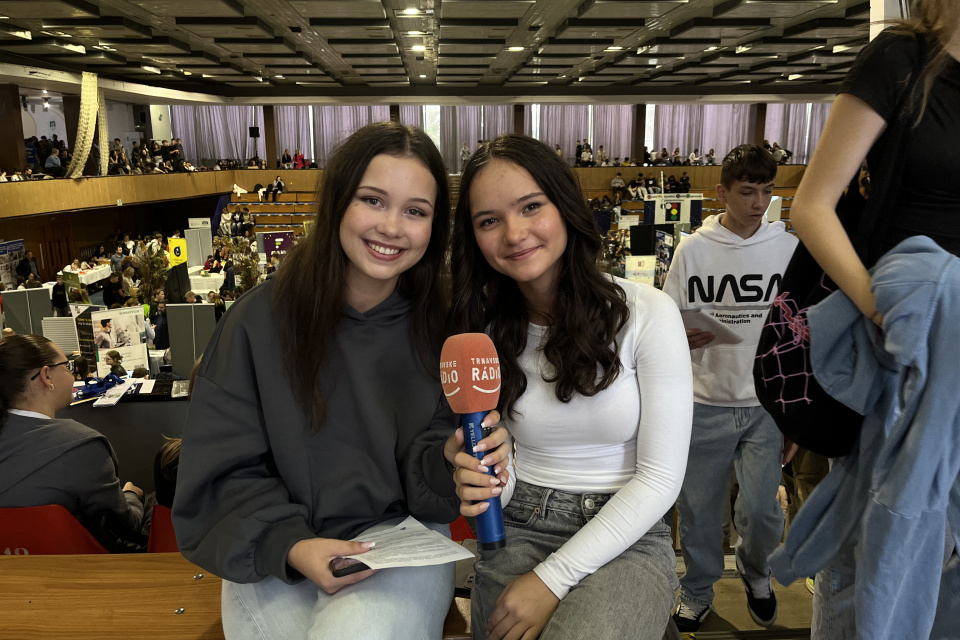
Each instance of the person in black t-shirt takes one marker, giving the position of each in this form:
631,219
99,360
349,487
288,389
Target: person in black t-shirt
925,201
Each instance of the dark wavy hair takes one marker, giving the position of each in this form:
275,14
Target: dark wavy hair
308,296
588,309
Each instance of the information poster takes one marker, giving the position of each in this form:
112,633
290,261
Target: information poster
76,291
178,251
119,332
11,253
663,247
85,331
642,269
277,242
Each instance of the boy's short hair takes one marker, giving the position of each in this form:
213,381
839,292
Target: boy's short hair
748,163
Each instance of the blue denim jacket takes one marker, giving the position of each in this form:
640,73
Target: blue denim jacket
893,493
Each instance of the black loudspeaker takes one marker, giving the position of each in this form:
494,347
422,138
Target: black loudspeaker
143,117
254,132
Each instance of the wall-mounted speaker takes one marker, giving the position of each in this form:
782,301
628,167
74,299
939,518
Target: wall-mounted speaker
254,132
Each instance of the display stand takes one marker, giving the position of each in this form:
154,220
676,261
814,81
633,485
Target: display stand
191,326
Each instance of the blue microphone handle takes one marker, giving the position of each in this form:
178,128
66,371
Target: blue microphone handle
490,532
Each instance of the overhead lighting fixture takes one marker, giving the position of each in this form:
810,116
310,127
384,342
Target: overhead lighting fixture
44,90
712,48
614,49
187,73
743,48
150,69
415,33
840,48
423,75
794,76
258,78
278,76
418,47
411,12
515,48
4,17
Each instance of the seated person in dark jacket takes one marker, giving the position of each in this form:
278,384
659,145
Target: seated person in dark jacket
113,291
46,461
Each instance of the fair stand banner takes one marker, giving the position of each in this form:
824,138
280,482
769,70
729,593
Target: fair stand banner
11,253
120,330
178,251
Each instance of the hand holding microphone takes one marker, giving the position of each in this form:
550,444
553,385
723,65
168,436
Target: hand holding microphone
470,375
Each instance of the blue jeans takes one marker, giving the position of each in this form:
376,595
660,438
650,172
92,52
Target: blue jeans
748,437
629,597
408,602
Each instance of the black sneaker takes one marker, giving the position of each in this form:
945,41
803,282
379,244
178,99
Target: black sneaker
688,618
761,601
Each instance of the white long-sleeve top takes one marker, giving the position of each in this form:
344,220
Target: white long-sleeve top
609,443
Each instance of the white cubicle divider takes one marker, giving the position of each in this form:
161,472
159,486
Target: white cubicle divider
26,309
62,332
775,210
191,326
199,246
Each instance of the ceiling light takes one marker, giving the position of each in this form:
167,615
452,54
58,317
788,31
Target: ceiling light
415,33
423,75
743,48
4,17
614,49
514,48
795,76
258,78
840,48
411,12
44,90
187,73
712,48
418,47
150,69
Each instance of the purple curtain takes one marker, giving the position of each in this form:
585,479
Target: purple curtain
458,125
218,131
293,130
702,127
564,124
797,127
412,115
613,128
334,124
528,120
497,120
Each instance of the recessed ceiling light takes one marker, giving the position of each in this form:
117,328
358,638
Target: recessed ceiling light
840,48
258,78
187,73
423,75
415,33
150,69
795,76
278,76
4,17
418,47
614,48
411,12
712,48
44,90
515,48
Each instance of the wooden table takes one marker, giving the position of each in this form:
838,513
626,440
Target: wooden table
105,597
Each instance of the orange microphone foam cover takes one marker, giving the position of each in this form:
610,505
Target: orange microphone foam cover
470,373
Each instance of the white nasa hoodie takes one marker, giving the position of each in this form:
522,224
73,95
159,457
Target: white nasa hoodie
735,280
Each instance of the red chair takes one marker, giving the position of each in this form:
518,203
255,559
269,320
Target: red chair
46,530
162,537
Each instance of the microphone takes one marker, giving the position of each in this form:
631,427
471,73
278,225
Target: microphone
470,375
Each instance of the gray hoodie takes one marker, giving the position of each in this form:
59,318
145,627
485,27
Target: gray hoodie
255,478
48,461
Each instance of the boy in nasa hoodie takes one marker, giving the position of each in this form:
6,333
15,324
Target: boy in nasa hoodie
731,269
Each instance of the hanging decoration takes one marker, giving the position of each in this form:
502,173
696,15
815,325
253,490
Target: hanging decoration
86,126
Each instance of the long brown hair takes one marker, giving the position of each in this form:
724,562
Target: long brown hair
588,309
21,357
936,21
309,292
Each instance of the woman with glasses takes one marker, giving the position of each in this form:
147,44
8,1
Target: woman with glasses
44,460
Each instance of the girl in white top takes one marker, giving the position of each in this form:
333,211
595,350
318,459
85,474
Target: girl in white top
596,393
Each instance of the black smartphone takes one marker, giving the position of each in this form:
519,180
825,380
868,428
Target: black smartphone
341,567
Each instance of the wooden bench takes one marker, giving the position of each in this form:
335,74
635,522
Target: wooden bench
120,597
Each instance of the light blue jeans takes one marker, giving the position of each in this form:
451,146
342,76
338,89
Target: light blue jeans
748,437
409,603
629,597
